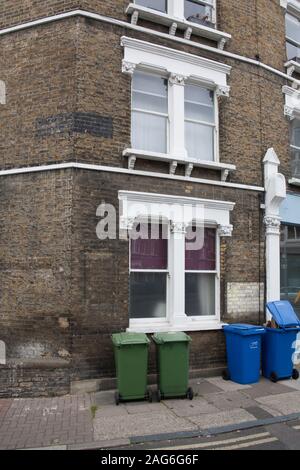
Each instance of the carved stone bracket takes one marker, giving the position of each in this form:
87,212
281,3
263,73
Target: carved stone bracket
188,169
177,79
173,29
173,166
221,43
178,227
188,33
289,112
131,162
272,224
128,67
225,230
223,90
127,223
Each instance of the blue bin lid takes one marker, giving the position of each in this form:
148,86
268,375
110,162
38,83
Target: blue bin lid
283,313
244,329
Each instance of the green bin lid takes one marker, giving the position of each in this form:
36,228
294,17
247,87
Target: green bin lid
123,339
171,337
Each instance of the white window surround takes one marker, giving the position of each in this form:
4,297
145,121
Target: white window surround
292,7
180,67
175,19
292,111
171,208
2,92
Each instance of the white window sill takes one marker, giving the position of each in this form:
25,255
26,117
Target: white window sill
187,325
138,11
292,66
133,154
295,181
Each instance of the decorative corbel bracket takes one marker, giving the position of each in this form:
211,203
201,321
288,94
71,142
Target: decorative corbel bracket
223,90
225,230
128,67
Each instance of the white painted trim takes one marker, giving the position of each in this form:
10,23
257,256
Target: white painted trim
294,181
212,165
181,23
111,169
292,66
188,325
124,24
292,102
174,61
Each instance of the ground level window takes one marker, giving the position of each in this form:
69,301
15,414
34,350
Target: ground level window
200,273
290,265
148,272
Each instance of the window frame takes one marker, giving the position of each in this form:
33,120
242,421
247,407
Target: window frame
153,113
187,159
161,320
290,40
217,273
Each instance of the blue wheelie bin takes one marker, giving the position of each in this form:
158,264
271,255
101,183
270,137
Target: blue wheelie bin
279,343
243,345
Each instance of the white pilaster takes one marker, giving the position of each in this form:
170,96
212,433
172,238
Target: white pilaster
275,187
176,106
177,271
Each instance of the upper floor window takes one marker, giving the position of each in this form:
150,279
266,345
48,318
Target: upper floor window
200,122
159,5
293,37
295,147
149,112
151,118
199,11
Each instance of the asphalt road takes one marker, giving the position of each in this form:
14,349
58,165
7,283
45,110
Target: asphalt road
281,436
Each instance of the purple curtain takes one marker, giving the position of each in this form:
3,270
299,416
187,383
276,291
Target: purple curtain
150,253
205,258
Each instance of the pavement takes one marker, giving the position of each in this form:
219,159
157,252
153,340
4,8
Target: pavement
222,415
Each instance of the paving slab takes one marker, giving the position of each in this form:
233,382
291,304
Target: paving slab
265,388
144,407
226,385
111,411
291,383
139,424
186,408
103,398
230,400
204,387
223,418
285,403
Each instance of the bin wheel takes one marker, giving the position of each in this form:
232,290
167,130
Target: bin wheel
295,374
190,393
117,398
150,396
274,377
226,375
158,396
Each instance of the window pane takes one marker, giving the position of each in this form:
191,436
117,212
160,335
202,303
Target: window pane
199,103
199,141
148,295
295,162
205,257
149,132
295,132
293,52
293,28
198,12
160,5
149,102
150,84
199,294
151,253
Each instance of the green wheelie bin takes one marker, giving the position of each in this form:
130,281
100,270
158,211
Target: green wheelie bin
173,365
131,359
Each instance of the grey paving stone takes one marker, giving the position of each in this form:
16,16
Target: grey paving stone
203,387
285,403
294,384
226,385
144,407
100,444
265,388
139,424
259,412
111,411
230,400
103,398
223,418
186,408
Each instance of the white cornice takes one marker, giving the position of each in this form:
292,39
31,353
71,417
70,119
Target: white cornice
125,171
148,31
292,6
154,198
167,52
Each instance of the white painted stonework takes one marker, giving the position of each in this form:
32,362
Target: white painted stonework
2,353
275,187
2,92
244,297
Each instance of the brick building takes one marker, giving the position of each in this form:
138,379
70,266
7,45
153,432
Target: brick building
154,103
